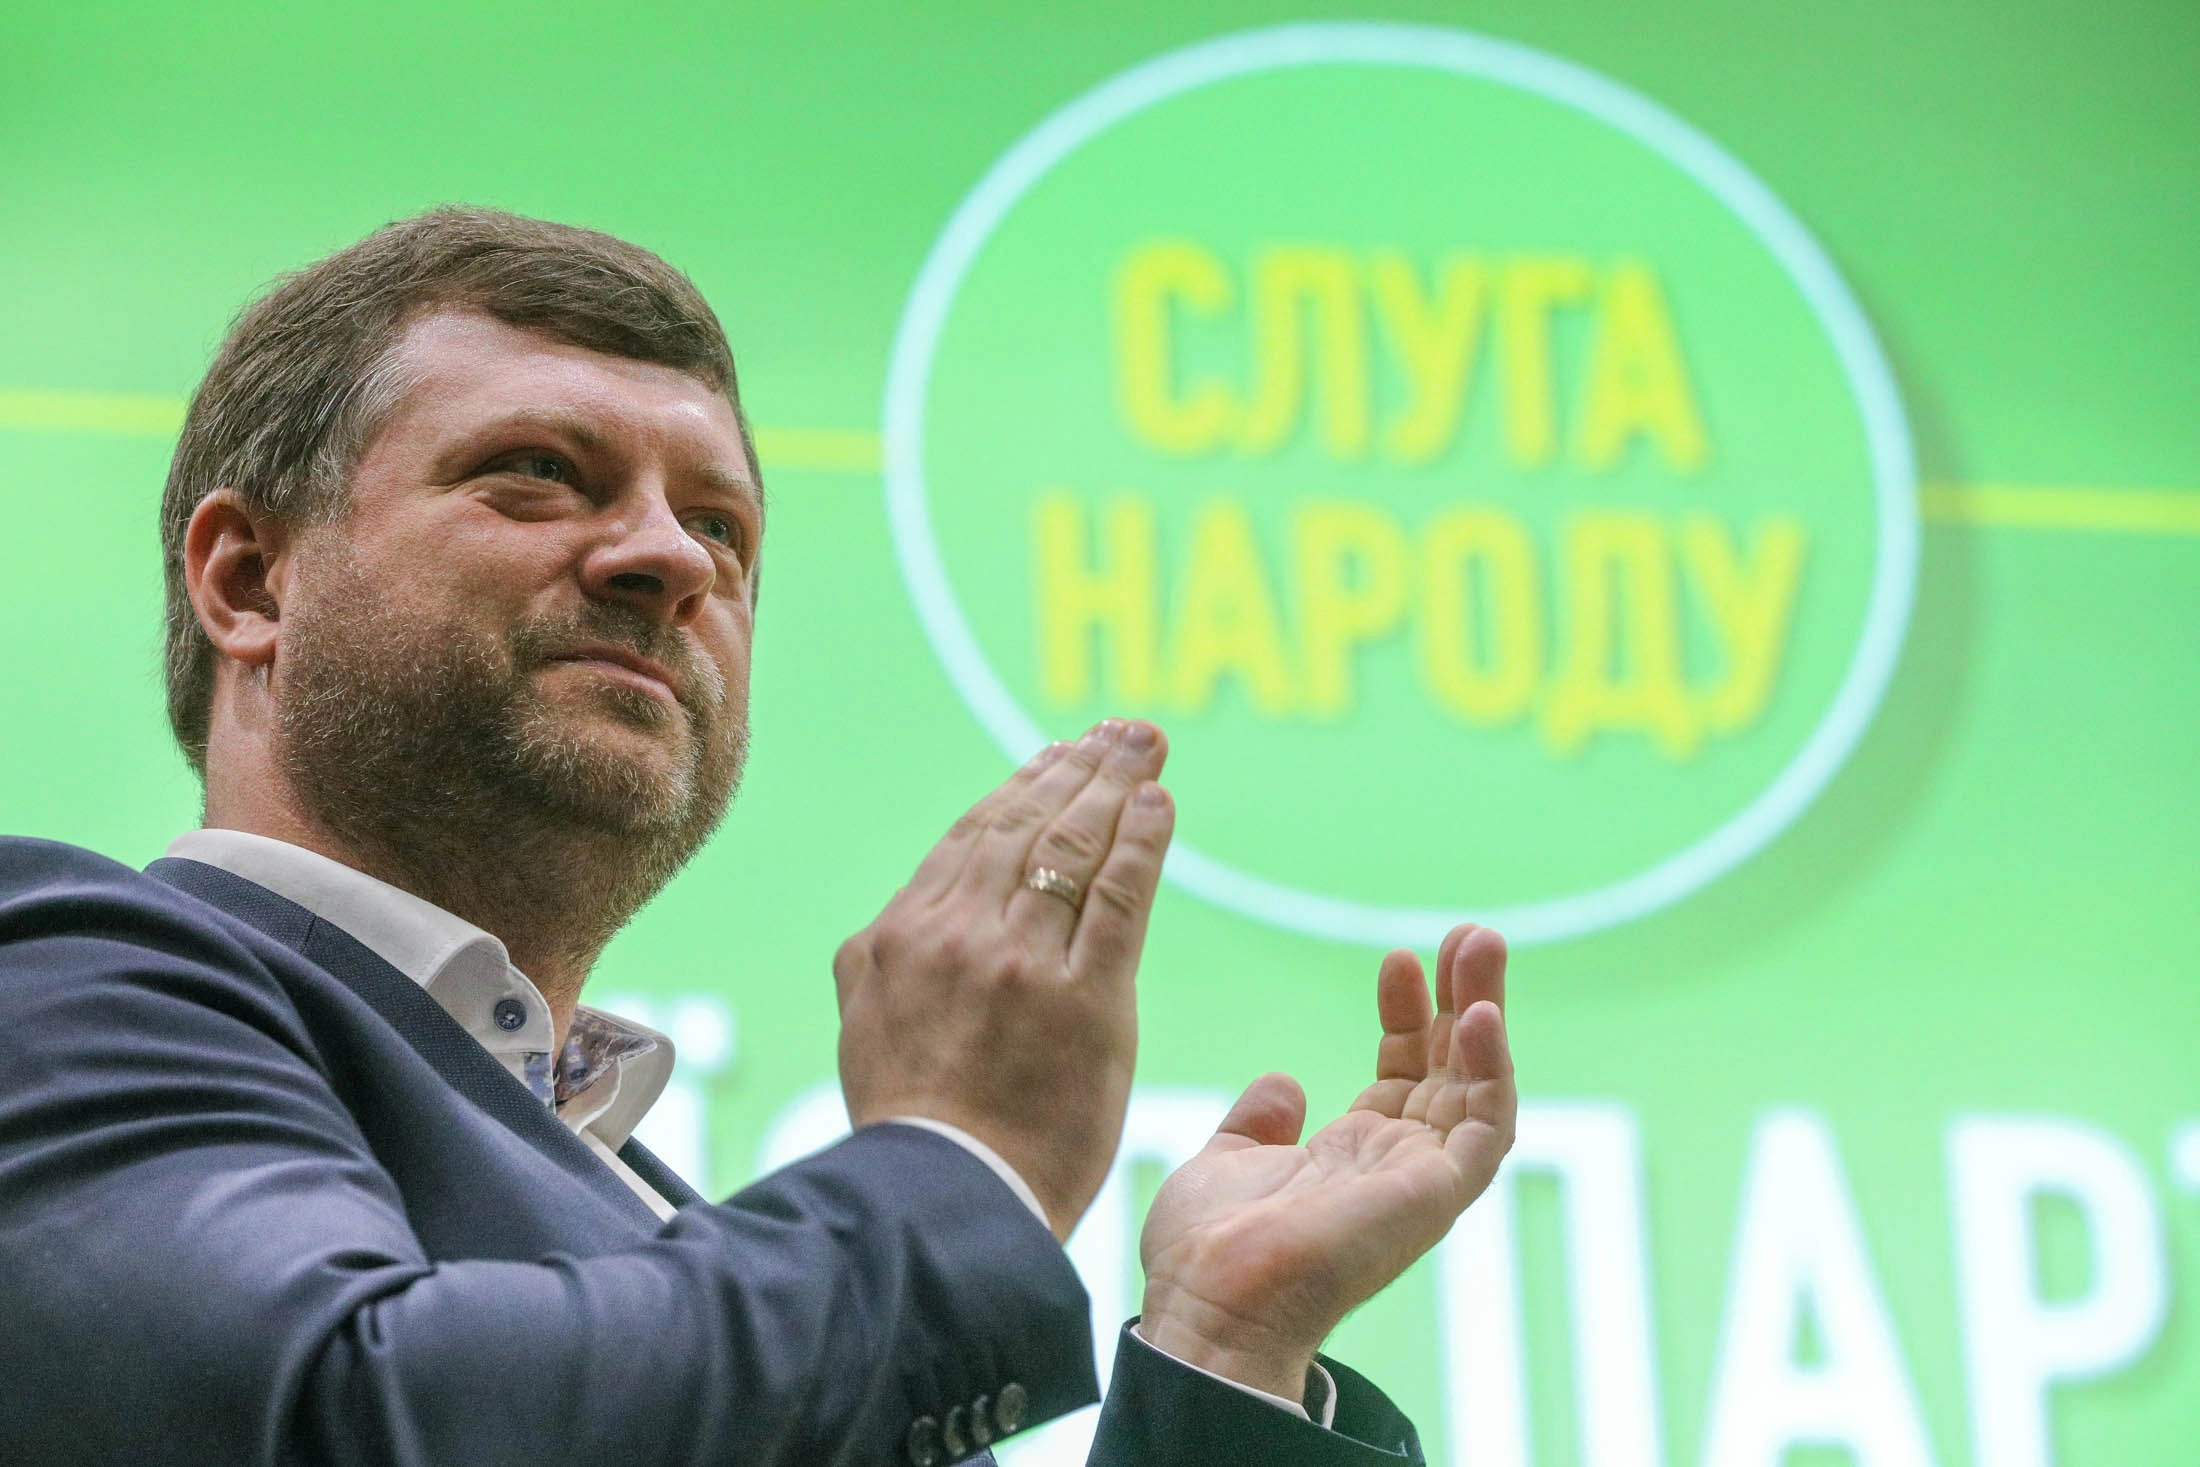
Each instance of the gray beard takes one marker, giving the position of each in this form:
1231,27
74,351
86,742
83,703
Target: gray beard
429,753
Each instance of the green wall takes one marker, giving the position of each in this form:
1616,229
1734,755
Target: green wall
1878,1142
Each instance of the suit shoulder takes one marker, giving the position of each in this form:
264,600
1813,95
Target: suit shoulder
72,915
27,862
46,885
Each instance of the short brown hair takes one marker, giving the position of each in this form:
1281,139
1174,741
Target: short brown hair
308,374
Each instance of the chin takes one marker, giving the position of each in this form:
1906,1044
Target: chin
609,773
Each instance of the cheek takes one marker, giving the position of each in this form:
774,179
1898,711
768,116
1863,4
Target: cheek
729,634
727,647
474,554
488,595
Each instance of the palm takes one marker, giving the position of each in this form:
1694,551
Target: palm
1259,1228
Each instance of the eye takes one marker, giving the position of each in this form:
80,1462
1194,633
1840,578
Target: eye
538,463
721,528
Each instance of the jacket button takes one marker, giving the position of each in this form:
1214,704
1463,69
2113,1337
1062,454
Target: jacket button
981,1421
923,1443
1008,1411
510,1014
955,1431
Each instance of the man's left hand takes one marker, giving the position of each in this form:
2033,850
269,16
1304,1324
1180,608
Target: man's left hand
1258,1246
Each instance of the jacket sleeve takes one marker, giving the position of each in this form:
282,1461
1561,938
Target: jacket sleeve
201,1261
1162,1413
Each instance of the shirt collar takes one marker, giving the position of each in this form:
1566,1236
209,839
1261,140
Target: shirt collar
620,1067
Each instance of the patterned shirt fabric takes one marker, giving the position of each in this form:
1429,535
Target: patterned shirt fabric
595,1045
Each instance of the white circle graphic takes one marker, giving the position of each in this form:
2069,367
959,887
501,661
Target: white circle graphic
1428,48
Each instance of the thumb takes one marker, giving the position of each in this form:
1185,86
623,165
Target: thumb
1271,1112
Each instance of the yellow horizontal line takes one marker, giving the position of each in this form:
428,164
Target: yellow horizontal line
131,415
848,450
126,414
2032,507
857,451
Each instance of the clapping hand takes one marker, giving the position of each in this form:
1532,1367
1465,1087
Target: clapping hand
982,998
1259,1245
1003,1003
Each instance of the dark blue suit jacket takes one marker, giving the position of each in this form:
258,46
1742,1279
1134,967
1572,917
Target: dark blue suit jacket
262,1201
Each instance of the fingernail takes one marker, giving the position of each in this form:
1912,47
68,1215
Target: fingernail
1110,730
1151,794
1048,754
1139,736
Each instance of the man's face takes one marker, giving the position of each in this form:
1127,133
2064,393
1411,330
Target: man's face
538,602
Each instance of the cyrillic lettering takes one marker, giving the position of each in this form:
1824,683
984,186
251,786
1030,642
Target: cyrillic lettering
1595,1152
1082,592
1637,382
1482,624
1622,666
1530,289
1226,622
1799,1258
1434,341
1155,276
2017,1345
1353,578
1291,284
1749,606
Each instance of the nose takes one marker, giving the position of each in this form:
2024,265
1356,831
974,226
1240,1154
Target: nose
646,559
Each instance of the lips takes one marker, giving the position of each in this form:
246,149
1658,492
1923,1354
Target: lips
645,671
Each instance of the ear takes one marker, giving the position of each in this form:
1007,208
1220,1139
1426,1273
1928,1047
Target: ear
234,566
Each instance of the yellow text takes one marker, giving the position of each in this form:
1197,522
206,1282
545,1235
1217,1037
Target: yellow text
1667,626
1314,322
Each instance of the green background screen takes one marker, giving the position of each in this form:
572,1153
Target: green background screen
1713,489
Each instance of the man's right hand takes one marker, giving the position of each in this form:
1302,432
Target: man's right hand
1006,1011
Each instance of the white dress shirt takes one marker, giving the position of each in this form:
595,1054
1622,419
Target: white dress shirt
615,1068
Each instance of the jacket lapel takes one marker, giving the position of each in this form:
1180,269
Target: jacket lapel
668,1182
408,1008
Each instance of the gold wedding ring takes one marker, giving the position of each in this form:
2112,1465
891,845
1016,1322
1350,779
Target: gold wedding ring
1055,884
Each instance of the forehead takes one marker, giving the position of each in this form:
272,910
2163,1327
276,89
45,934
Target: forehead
466,371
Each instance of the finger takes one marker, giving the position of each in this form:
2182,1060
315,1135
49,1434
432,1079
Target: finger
1481,1047
1447,1007
1401,1055
1451,942
1481,1069
1479,1141
1271,1112
1475,980
1386,1097
1478,970
1402,1004
999,851
1001,841
1076,843
937,871
1111,928
1439,1032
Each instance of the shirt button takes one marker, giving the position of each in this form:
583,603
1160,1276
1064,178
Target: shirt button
510,1014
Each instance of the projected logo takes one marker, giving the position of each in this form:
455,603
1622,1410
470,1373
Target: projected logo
1486,480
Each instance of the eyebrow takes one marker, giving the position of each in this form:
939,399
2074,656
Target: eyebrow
727,481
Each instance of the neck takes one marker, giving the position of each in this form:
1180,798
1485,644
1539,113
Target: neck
553,897
531,826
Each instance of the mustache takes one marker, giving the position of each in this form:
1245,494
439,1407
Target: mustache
702,687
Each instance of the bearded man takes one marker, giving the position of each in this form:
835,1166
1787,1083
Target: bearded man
308,1151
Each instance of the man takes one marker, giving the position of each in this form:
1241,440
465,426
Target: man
308,1151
